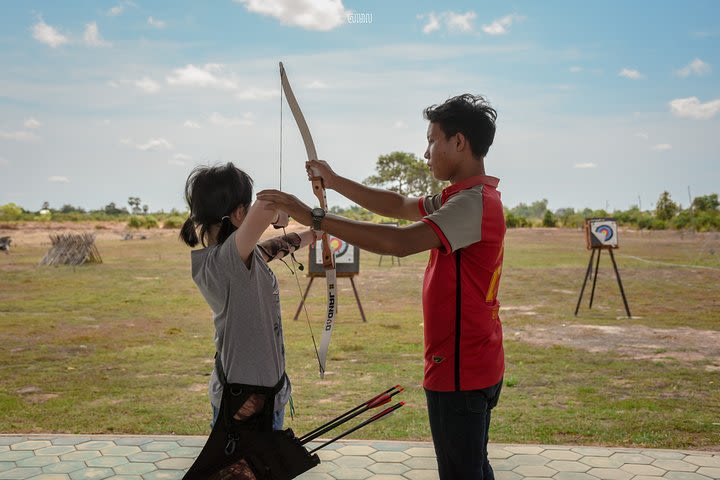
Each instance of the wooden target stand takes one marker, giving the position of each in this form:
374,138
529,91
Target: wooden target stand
347,265
601,234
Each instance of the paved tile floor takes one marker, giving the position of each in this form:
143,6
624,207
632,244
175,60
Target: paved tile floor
71,457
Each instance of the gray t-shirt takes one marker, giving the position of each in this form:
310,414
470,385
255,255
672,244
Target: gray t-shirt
246,312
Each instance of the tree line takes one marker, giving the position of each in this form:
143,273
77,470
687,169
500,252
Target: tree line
406,174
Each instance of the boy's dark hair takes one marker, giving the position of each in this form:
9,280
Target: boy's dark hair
468,114
213,193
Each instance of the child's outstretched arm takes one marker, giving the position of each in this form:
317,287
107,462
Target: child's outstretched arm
284,245
378,200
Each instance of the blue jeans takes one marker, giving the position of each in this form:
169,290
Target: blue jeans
278,417
460,425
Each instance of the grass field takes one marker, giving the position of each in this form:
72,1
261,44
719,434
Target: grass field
126,346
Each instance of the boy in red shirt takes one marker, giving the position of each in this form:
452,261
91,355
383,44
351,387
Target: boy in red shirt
464,229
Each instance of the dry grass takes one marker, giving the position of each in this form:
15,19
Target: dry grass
126,346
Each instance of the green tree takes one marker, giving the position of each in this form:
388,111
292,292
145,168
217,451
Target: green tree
536,209
67,208
111,209
11,211
404,173
134,203
665,209
706,203
549,219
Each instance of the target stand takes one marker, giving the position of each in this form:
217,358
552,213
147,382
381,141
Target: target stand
347,265
601,234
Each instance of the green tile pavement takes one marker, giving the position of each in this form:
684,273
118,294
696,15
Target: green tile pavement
74,457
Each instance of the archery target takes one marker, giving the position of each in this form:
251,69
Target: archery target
603,232
342,250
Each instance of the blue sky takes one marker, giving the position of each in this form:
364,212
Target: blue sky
601,104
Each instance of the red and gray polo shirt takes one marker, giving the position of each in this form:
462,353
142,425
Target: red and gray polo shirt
463,333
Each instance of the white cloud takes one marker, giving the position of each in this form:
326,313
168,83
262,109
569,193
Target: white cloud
206,76
119,8
451,21
576,69
322,15
44,33
248,119
32,123
191,124
692,108
151,145
254,93
585,165
696,67
92,36
20,136
642,135
179,159
317,85
460,22
58,179
433,23
662,147
501,25
155,144
630,73
156,23
147,85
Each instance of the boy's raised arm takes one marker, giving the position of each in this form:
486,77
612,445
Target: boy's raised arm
378,200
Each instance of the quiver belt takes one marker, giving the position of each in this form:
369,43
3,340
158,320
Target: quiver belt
242,447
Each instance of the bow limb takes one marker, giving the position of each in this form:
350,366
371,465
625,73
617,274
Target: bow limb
319,191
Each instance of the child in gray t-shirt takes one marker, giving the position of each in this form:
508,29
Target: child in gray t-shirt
232,274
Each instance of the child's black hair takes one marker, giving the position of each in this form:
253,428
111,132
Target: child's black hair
213,193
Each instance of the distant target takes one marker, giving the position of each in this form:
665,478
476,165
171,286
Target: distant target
601,233
339,247
604,231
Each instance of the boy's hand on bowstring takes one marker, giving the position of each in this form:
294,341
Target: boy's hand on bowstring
320,168
277,200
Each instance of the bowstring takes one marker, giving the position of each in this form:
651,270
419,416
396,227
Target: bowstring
292,254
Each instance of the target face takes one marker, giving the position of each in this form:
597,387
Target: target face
603,232
342,250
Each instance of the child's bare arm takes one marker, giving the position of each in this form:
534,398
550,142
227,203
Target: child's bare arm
257,219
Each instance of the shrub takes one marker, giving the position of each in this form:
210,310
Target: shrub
10,211
684,219
150,222
658,224
548,219
135,222
173,222
707,221
515,221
